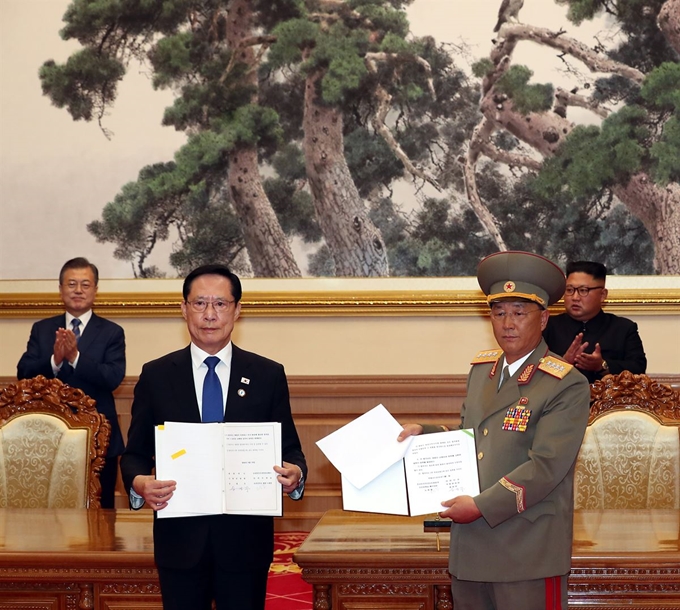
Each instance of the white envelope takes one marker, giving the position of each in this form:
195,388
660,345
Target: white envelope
385,494
366,446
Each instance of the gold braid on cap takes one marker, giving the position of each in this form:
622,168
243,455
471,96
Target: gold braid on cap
522,295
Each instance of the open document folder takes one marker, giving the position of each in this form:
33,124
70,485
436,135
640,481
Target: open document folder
220,468
382,475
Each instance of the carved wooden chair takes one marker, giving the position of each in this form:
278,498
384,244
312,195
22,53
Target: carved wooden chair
52,446
630,457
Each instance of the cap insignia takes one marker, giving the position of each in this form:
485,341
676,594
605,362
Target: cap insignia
509,286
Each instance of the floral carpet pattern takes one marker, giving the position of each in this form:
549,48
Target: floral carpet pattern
285,588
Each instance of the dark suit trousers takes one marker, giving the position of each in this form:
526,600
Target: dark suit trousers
216,576
108,478
194,589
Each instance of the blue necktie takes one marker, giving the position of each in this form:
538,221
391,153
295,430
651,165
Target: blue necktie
213,404
75,323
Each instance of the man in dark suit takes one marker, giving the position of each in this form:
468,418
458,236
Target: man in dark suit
84,351
595,342
225,558
511,544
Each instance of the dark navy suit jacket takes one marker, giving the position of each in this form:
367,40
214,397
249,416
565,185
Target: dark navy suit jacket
101,365
258,392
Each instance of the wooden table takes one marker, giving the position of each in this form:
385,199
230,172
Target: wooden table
621,560
72,559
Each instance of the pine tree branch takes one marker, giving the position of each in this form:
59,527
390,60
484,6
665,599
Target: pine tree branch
593,60
564,99
503,156
480,137
384,100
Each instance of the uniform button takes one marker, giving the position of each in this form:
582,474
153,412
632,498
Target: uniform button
480,455
486,431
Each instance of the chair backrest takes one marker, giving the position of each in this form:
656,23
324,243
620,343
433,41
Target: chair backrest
630,457
52,446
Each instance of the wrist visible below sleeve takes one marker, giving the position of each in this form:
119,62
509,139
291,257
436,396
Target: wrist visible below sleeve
55,368
136,501
296,494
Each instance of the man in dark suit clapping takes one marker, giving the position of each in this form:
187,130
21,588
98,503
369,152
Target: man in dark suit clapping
86,352
221,557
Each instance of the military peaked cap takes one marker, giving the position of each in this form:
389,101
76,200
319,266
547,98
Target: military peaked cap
520,275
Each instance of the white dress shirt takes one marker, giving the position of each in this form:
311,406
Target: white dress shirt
512,368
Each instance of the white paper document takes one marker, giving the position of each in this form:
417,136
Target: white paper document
439,467
366,446
412,479
220,468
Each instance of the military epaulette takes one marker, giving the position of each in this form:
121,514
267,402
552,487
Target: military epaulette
489,355
554,366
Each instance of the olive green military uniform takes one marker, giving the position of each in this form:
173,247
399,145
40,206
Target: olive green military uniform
528,435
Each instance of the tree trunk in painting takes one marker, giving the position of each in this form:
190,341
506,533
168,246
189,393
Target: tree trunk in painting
656,206
355,243
669,22
267,245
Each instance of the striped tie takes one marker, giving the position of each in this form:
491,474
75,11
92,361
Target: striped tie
75,323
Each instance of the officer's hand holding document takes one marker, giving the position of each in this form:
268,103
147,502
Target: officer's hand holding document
382,475
220,468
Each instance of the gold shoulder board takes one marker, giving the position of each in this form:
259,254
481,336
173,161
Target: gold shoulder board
489,355
554,366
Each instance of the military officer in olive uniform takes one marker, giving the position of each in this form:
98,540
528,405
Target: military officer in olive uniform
511,544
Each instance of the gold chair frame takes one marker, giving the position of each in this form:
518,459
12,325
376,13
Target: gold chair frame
627,391
632,461
52,397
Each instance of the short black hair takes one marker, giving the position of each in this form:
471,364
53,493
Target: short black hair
213,270
597,270
79,262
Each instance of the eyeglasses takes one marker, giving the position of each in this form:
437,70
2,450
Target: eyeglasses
219,305
582,290
85,286
515,316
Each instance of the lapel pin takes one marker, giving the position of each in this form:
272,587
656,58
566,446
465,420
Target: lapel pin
245,380
241,392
